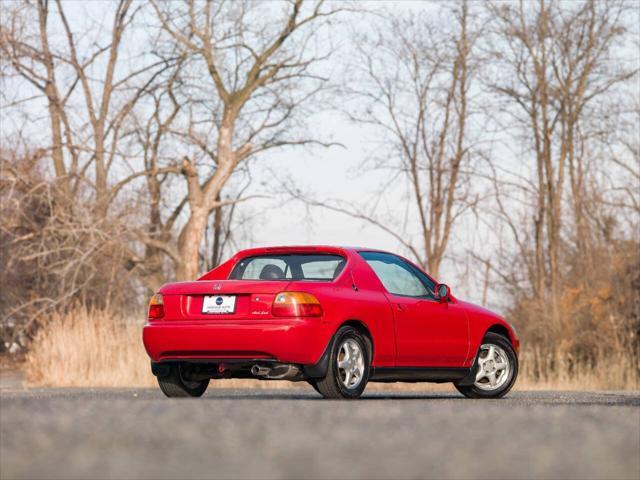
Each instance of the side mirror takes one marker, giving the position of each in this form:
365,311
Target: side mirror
443,292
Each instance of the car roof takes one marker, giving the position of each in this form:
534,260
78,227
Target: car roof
305,249
339,250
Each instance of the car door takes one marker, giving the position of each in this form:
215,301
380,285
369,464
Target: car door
428,333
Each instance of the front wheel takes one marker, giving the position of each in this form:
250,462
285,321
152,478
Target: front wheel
348,371
497,369
176,384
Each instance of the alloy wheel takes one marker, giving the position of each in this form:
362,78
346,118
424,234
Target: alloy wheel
494,368
350,361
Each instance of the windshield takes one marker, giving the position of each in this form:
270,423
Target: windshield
323,267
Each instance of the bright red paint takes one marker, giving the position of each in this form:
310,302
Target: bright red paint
405,331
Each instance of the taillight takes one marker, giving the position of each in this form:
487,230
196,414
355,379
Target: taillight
156,307
296,304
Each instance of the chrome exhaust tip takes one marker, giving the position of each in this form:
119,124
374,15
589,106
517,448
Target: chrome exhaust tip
281,371
259,371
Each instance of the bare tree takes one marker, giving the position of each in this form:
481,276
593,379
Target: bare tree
88,93
73,239
52,257
152,134
555,69
413,80
28,52
259,77
620,142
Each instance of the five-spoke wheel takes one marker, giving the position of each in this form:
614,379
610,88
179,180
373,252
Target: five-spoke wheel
493,367
496,369
350,363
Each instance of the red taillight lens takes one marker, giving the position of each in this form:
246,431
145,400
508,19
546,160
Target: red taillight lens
156,307
296,304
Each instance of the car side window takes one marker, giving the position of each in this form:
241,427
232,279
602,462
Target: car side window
397,276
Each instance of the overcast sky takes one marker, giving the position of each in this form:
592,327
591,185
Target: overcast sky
334,173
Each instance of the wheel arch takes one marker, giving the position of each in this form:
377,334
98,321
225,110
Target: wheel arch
500,329
360,326
504,330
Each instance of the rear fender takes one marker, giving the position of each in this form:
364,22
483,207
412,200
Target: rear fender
321,367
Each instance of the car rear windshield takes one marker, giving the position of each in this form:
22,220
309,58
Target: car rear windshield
323,267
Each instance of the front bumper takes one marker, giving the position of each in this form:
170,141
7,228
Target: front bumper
295,340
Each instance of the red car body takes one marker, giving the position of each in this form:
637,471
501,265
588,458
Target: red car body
412,339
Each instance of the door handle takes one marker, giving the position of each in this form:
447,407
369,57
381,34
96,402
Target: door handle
400,307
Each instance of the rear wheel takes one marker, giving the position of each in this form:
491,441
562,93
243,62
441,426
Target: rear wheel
177,384
497,369
348,371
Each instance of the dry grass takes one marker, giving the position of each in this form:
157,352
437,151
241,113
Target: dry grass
88,349
97,349
607,371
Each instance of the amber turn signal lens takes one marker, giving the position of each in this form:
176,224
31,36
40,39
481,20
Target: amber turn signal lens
296,304
156,307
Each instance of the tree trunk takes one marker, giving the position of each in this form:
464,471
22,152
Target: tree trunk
203,200
53,101
217,235
189,244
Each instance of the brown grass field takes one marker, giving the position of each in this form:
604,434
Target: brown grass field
96,349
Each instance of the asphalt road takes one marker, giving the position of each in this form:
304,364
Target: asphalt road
295,434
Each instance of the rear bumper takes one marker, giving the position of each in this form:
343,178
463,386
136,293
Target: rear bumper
296,340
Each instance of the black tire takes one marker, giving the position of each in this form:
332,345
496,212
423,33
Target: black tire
312,382
174,385
473,391
332,385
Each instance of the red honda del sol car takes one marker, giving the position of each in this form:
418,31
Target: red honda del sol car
334,317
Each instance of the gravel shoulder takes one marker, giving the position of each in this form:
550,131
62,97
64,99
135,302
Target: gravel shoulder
132,433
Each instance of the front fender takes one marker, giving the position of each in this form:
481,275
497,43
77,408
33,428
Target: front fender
481,321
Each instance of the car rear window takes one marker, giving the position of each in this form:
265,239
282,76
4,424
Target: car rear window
322,267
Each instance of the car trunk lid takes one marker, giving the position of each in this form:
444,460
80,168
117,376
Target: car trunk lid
253,299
